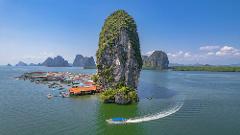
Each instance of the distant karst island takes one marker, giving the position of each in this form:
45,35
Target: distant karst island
20,63
81,61
59,61
156,60
9,65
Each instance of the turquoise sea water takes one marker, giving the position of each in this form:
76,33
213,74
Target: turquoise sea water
211,106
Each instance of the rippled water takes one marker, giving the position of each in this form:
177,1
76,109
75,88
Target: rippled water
211,105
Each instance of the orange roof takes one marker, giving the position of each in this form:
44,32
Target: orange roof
82,89
88,83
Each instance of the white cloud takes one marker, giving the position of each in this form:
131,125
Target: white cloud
211,53
187,54
237,54
209,48
149,53
39,56
179,54
35,57
227,50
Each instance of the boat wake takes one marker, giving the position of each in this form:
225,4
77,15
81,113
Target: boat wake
156,116
151,117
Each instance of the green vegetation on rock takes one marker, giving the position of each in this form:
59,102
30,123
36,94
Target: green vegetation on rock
95,78
119,20
128,93
207,68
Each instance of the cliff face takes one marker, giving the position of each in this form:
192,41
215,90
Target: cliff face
81,61
55,62
157,60
118,57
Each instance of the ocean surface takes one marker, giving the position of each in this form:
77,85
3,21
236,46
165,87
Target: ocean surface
171,103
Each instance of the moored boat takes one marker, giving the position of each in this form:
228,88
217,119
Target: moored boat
49,96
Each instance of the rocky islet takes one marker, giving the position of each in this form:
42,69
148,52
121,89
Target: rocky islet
156,60
119,59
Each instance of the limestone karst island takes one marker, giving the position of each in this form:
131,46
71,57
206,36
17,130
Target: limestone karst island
119,60
119,67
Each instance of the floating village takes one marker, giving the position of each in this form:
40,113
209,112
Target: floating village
65,83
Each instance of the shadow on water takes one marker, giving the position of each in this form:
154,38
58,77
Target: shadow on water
155,92
150,88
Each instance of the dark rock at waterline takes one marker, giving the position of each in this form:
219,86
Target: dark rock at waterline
9,65
20,63
58,61
81,61
157,60
120,98
108,101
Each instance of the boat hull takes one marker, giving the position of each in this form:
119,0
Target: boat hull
117,121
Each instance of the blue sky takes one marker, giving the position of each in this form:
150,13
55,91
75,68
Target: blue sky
204,31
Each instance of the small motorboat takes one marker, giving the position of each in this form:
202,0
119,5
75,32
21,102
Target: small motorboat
49,96
65,95
149,98
61,88
117,120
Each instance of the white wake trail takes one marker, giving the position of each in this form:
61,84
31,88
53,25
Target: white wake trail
156,116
